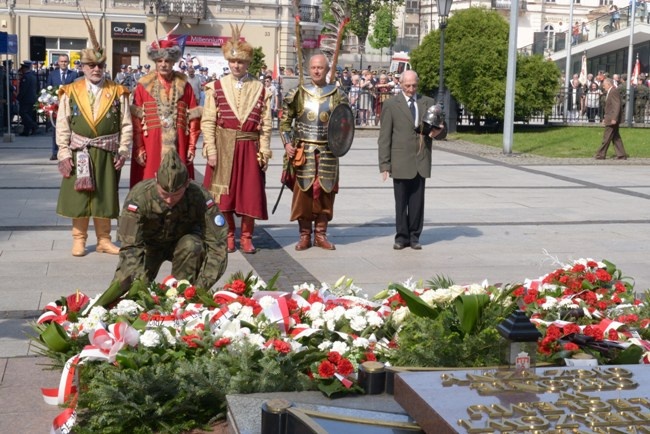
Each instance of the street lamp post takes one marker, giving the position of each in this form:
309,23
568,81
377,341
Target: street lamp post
444,6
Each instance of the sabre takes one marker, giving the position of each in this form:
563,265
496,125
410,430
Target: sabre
277,202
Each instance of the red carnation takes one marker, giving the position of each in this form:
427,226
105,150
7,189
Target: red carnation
592,264
326,369
570,329
222,342
612,335
553,332
190,340
570,346
345,367
334,357
238,287
603,275
519,291
578,268
594,332
281,346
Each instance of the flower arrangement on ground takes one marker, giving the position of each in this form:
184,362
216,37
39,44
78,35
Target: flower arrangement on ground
48,102
165,351
588,307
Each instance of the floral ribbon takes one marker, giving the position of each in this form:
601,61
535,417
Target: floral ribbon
105,344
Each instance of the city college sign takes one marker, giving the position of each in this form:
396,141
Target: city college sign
127,30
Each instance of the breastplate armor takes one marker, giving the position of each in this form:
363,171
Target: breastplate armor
311,124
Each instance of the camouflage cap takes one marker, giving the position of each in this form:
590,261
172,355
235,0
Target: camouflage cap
172,173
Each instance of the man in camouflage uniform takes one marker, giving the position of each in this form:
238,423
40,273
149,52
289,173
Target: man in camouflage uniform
641,94
317,176
170,218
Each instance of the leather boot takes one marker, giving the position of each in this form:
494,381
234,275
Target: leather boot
246,239
320,234
305,234
79,236
230,241
103,232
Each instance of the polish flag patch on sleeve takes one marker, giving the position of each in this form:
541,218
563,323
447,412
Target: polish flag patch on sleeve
132,207
209,203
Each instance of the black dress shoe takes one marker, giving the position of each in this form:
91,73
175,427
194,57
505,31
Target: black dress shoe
25,134
622,157
416,246
399,246
53,157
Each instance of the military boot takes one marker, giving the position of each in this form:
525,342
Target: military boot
79,236
305,234
103,232
320,233
246,239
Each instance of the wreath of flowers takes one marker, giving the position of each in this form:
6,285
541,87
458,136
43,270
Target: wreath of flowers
48,102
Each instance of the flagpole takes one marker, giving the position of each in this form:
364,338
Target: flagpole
630,53
567,66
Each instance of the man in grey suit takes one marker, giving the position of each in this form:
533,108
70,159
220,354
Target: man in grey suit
612,118
405,155
60,76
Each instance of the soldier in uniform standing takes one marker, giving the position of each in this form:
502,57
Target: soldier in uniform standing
317,177
641,95
170,218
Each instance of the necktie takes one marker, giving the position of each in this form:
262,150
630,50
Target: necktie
412,107
63,77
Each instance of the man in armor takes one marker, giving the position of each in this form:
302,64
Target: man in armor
308,152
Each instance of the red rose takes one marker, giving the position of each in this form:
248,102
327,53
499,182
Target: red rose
326,369
345,367
189,293
334,357
370,357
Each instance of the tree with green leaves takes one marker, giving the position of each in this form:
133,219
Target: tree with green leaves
475,66
384,32
257,63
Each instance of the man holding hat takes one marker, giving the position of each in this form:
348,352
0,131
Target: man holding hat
170,218
94,133
236,129
166,115
27,97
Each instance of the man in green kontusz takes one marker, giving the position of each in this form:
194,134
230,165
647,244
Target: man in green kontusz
169,218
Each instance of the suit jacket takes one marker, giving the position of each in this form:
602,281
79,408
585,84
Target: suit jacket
54,79
402,151
613,107
28,89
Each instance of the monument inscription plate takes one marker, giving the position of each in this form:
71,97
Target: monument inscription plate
603,399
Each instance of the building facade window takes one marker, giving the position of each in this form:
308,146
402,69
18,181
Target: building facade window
411,30
412,6
65,44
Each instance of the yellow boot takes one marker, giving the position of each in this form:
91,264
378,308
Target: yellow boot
79,236
103,232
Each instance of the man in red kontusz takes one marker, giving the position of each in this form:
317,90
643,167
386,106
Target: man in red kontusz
165,113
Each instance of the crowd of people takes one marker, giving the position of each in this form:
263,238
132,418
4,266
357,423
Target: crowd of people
585,99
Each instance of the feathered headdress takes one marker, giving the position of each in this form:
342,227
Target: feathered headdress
96,53
166,48
332,35
234,49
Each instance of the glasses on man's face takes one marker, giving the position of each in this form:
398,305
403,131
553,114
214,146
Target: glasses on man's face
95,65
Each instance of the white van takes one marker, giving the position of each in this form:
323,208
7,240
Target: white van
400,62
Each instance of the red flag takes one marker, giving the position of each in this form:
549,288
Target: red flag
636,71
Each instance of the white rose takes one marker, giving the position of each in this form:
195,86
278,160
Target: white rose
400,314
